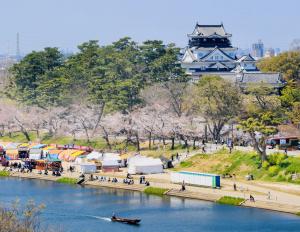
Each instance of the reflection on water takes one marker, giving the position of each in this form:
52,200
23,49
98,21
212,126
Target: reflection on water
85,209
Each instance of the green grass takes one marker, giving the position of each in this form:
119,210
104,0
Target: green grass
226,200
4,173
155,191
279,168
67,180
186,164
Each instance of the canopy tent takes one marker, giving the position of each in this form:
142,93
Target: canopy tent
4,144
110,165
70,154
144,165
87,168
80,159
35,154
47,148
113,156
54,151
12,154
94,155
52,157
38,146
76,154
11,146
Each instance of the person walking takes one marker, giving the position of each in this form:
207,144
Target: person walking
269,195
234,186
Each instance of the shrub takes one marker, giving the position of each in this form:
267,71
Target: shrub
277,158
155,191
265,165
273,170
4,173
67,180
226,200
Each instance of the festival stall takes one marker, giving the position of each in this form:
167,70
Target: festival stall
110,165
87,168
144,165
48,164
23,151
95,156
35,154
75,154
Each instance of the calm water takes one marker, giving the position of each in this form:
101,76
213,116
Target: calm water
75,208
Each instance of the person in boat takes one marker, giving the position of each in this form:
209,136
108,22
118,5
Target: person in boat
113,216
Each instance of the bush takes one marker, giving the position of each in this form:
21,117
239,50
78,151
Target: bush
273,170
67,180
265,165
226,200
4,173
155,191
277,158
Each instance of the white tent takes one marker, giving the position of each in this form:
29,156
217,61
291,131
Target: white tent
35,154
95,156
87,168
80,160
144,165
112,158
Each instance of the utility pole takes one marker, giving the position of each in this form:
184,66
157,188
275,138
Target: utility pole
18,55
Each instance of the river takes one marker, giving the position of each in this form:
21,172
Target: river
86,209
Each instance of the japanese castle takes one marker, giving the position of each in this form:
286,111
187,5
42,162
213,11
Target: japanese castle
210,52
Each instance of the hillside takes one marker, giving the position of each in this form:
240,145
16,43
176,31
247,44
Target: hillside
278,168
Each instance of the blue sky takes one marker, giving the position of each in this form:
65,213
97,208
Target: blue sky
67,23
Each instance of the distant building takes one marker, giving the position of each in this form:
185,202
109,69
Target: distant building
258,50
270,52
210,52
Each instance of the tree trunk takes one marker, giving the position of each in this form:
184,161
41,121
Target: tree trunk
173,143
260,148
100,114
150,139
194,143
25,133
137,142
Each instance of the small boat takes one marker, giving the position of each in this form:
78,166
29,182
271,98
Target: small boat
126,220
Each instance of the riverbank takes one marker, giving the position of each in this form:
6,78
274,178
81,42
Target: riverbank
282,201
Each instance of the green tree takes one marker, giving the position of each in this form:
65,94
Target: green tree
287,63
261,115
29,74
218,101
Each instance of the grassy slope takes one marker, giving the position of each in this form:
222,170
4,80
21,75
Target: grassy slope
241,164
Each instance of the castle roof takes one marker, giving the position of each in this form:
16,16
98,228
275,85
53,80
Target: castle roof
266,78
210,31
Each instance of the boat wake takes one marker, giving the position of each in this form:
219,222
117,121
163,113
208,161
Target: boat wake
102,218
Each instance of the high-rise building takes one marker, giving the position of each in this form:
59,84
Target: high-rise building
258,50
270,52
